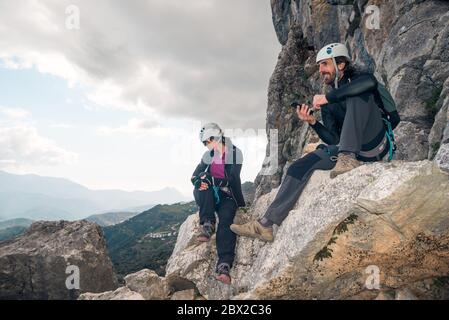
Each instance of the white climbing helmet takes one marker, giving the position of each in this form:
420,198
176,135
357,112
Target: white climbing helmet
332,51
210,130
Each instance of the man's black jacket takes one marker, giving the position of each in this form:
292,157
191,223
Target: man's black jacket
352,84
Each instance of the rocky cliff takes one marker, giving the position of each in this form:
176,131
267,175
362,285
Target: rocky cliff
380,231
406,49
40,263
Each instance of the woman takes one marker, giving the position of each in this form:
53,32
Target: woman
218,189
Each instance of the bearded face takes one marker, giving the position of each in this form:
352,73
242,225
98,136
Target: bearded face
327,71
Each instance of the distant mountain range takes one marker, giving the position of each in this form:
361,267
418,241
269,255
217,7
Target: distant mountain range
43,198
12,232
15,227
12,228
111,218
15,223
135,240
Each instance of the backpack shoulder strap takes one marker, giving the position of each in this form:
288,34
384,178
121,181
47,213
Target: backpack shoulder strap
387,100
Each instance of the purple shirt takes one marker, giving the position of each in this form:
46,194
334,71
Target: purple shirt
217,167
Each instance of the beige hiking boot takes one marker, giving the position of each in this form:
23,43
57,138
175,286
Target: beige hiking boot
344,164
253,229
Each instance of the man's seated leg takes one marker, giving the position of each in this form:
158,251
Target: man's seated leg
346,161
253,229
291,188
363,122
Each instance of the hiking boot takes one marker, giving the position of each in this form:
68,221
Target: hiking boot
254,229
223,271
345,163
206,231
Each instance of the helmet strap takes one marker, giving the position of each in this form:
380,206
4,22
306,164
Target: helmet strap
337,73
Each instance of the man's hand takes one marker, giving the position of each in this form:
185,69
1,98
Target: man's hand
304,114
319,100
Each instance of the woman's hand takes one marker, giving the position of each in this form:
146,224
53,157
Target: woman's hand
304,114
204,186
319,100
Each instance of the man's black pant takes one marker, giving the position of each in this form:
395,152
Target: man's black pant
363,127
298,174
226,209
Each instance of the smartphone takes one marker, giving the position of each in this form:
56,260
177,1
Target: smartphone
296,104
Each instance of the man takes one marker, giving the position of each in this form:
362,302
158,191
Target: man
218,189
353,131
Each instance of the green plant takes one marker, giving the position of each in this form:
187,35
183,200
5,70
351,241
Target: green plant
435,147
323,254
441,281
342,227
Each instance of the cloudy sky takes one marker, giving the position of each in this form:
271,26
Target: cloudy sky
113,98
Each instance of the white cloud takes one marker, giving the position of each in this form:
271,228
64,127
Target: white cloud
139,126
62,126
23,146
206,59
14,113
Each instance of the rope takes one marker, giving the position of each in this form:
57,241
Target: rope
390,137
216,195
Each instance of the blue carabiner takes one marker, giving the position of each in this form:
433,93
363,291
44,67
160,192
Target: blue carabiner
390,137
216,195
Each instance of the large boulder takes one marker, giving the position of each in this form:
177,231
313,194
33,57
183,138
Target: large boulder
122,293
393,216
412,142
440,137
184,295
196,262
147,285
142,285
43,263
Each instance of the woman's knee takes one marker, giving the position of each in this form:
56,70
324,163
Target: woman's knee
226,218
198,192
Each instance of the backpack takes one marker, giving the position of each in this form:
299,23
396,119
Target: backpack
388,103
388,107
